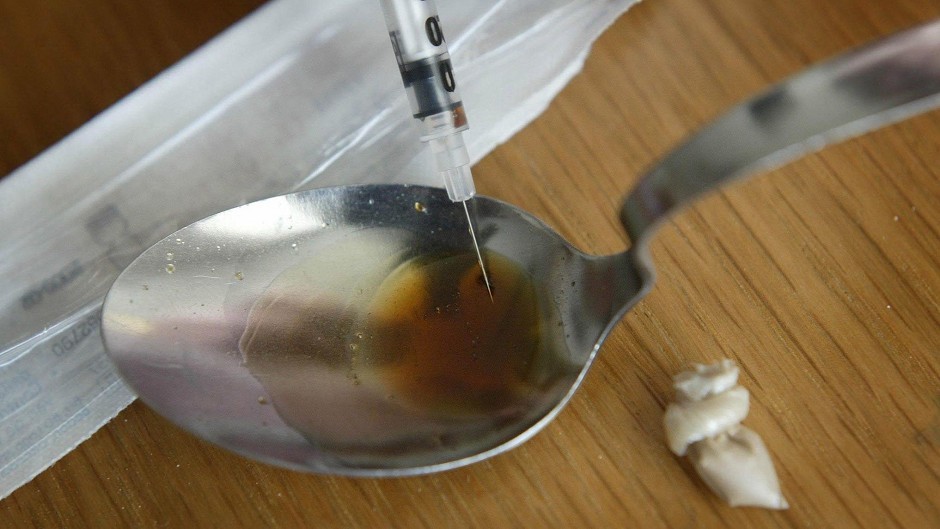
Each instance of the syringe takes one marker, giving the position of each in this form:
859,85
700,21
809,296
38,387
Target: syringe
424,63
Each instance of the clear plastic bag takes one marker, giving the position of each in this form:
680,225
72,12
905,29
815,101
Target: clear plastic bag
299,94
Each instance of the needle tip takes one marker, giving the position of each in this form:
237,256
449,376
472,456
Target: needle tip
476,246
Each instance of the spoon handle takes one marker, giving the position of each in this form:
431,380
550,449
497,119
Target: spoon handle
884,82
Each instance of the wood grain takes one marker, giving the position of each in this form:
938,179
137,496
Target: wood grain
821,279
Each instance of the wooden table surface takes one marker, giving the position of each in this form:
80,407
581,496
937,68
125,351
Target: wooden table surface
821,279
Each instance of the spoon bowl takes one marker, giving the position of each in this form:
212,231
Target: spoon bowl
255,328
345,330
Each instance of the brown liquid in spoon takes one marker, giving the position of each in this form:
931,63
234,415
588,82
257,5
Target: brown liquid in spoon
420,355
436,338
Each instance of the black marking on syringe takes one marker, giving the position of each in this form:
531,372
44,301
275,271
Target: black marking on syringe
447,76
432,27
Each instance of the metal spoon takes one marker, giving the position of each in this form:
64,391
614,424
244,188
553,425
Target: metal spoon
340,330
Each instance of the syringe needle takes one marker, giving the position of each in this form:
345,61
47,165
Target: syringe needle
473,235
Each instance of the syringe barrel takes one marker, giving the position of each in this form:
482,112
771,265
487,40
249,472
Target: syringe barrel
424,63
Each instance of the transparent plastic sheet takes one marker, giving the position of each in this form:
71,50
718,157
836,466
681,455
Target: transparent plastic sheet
299,94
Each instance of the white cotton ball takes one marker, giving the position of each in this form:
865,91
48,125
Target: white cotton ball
704,380
731,459
691,421
737,467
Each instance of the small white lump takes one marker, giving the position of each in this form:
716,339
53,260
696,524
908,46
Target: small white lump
704,423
